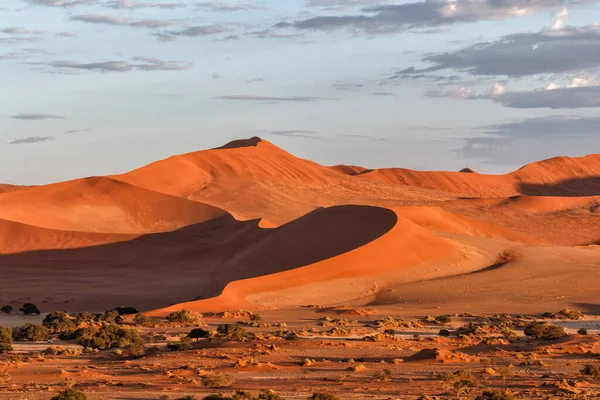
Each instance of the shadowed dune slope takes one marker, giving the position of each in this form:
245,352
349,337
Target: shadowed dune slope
101,204
404,244
16,237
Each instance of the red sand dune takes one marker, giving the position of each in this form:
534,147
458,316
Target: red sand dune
102,204
250,225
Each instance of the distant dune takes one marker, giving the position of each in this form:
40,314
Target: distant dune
249,225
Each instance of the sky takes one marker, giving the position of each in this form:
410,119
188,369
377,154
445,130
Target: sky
97,87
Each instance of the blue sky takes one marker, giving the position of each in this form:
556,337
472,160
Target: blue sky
94,87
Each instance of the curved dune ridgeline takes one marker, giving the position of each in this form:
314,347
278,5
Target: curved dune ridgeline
249,225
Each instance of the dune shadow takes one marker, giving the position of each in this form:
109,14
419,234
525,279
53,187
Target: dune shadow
197,261
578,187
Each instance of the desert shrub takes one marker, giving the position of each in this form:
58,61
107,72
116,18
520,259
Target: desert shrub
142,320
29,309
124,310
255,317
582,331
134,349
7,309
390,332
323,396
444,332
292,336
269,395
110,316
231,332
199,333
4,377
187,398
218,397
184,344
451,379
70,394
243,395
58,321
217,380
544,331
490,394
5,339
384,375
184,316
443,319
32,332
107,335
592,370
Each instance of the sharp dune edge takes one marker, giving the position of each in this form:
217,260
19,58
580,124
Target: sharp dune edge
249,225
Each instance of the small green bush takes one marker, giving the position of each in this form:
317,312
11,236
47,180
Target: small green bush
592,370
231,332
323,396
582,331
217,380
184,316
6,340
544,331
124,310
444,332
443,319
32,333
199,333
184,344
58,321
70,394
490,394
29,309
7,309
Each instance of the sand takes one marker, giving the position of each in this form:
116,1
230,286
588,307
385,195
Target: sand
249,225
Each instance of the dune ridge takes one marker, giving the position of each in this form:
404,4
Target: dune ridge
249,225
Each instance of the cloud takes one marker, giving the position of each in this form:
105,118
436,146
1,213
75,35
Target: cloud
245,97
31,139
347,86
383,94
430,13
270,34
523,54
255,80
62,3
36,117
341,4
578,93
122,21
520,142
192,32
132,5
299,133
16,30
137,63
66,34
557,98
220,6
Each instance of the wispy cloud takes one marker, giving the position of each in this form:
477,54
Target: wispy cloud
221,6
245,97
36,117
136,63
122,21
62,3
192,32
31,139
298,133
132,5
